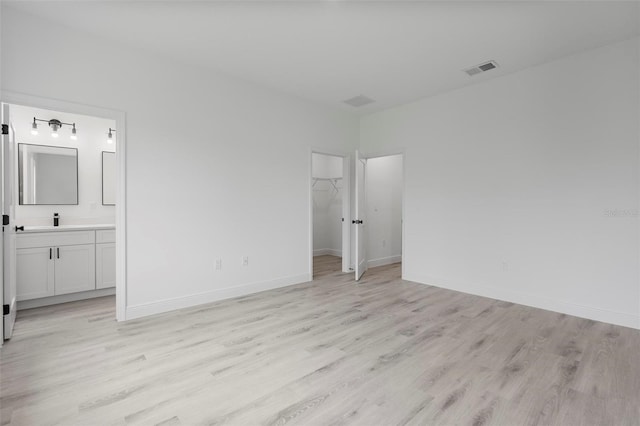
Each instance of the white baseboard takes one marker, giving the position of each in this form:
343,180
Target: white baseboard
161,306
535,301
332,252
64,298
384,261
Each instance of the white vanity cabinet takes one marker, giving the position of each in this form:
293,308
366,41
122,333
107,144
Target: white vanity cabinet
75,269
35,273
62,262
105,259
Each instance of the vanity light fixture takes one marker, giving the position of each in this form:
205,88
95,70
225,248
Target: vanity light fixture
110,135
55,126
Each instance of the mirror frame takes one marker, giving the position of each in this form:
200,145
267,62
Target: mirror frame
20,180
103,153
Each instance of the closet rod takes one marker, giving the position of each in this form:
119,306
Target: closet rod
333,182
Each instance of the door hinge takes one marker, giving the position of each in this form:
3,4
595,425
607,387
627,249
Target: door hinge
5,219
5,129
5,309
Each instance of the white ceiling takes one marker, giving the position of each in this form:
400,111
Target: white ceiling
393,52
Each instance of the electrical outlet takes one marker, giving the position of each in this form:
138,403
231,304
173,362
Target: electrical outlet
245,260
218,264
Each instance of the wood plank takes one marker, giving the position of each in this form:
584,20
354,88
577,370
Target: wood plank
332,351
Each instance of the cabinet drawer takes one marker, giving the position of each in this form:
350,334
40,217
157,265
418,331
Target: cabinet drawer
106,236
54,239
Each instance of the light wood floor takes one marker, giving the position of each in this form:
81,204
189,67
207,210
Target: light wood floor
326,265
380,352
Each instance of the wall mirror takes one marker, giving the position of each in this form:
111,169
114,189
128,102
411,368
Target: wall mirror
47,175
108,178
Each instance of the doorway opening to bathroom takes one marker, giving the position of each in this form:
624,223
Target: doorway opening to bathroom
63,231
330,214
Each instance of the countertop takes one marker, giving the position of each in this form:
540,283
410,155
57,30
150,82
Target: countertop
50,228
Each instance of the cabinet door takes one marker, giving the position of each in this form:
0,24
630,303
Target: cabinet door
34,273
105,265
75,268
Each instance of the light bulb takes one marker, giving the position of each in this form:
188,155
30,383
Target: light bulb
110,136
55,125
110,140
74,135
34,127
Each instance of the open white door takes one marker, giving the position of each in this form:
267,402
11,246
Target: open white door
10,305
359,220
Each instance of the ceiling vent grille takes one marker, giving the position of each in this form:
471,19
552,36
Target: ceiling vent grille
478,69
359,101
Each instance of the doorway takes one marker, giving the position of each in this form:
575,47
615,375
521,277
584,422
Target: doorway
329,214
384,177
378,212
63,239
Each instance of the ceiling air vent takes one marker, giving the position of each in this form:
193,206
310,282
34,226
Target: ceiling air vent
481,68
359,101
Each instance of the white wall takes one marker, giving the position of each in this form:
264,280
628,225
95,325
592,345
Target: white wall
92,140
327,205
525,187
383,189
206,155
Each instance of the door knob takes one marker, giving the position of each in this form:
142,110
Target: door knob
19,228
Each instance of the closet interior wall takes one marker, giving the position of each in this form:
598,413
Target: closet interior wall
327,205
